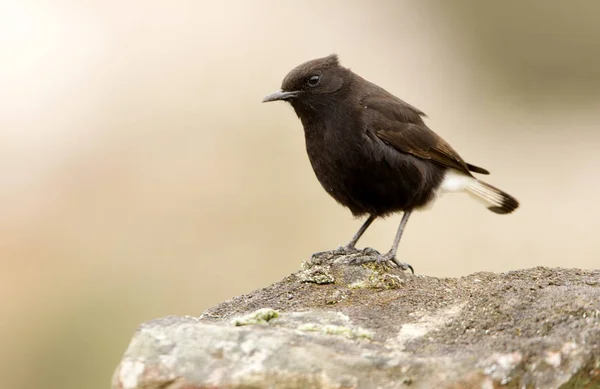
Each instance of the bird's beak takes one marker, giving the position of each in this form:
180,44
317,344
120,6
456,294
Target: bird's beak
279,95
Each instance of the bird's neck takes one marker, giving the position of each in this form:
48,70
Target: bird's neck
308,114
318,114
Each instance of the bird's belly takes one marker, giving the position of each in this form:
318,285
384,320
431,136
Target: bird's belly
368,185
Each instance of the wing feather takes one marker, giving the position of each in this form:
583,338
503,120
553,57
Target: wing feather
401,126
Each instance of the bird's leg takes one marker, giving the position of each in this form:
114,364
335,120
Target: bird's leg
351,246
391,255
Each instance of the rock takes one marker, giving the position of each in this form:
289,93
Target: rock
338,325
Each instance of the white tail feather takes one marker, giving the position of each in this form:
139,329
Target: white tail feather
481,191
493,198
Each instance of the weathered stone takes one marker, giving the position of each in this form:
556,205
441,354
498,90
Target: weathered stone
369,326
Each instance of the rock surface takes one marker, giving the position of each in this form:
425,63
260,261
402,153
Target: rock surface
338,325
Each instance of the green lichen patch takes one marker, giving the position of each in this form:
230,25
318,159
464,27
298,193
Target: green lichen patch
316,275
261,316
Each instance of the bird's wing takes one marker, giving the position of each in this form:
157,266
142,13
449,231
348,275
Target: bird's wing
401,126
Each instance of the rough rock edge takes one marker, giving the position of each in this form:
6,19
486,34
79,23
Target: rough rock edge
483,311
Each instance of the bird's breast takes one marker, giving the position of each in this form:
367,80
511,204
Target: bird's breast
334,156
367,176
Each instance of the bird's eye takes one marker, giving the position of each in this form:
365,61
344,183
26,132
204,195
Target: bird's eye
314,80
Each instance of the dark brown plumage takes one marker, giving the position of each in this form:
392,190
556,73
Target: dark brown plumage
372,152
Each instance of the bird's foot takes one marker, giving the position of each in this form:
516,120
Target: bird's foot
384,259
353,256
346,250
389,257
340,251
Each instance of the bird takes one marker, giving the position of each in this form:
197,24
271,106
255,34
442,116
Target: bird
373,153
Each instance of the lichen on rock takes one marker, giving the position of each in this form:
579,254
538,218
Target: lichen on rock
260,316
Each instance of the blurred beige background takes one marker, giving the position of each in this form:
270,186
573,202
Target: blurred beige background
140,176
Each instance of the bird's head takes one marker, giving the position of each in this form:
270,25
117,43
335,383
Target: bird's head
312,82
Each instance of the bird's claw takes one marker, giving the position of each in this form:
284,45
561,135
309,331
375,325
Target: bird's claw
392,258
342,251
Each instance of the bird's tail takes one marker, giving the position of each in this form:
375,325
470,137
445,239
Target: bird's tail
496,200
